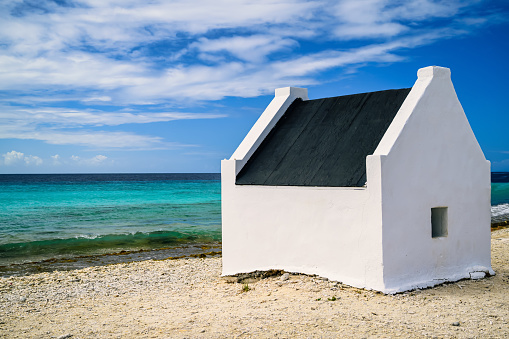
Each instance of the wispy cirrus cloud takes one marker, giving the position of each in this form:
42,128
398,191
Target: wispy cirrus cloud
366,19
62,117
117,46
60,126
254,48
58,56
104,140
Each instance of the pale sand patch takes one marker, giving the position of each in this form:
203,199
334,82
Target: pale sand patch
186,298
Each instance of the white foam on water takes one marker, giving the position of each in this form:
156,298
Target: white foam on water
499,210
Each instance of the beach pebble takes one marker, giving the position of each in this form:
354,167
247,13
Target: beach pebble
456,323
477,275
285,277
22,299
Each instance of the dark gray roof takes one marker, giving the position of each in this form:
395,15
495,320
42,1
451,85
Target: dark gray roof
323,142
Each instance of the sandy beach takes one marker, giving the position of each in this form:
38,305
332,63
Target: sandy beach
187,298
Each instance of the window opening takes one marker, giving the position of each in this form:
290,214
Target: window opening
438,222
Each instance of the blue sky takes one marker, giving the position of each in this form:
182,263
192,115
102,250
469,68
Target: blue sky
174,86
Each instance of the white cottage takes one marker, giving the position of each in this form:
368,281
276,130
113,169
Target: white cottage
386,190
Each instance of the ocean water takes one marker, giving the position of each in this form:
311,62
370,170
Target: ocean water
43,217
70,221
499,196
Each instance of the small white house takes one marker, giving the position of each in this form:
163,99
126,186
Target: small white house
386,190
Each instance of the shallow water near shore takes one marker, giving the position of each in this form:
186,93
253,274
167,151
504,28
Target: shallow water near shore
58,217
499,197
79,262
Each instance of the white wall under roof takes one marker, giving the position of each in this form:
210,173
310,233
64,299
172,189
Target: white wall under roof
332,232
379,236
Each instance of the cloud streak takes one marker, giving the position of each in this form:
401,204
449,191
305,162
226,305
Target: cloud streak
58,56
59,126
111,45
105,140
61,117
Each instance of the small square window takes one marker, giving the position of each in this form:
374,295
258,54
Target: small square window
438,222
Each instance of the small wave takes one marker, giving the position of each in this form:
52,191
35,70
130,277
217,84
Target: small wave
499,213
100,244
127,234
86,236
499,210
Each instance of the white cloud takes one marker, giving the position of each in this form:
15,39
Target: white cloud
33,160
240,79
120,53
14,157
362,19
107,45
108,25
94,161
313,63
18,158
386,29
94,139
75,69
102,99
59,126
250,48
60,117
56,159
98,159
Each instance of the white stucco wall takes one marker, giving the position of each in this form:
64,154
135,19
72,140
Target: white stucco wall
430,158
331,232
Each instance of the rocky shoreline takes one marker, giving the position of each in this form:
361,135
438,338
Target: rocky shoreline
187,298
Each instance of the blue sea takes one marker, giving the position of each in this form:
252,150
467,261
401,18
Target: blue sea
66,221
74,219
499,196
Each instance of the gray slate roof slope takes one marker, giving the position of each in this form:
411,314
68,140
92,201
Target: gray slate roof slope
323,142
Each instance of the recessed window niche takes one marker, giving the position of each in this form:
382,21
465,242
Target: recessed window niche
438,222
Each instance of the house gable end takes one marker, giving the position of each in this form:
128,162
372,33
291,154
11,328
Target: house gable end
432,94
431,161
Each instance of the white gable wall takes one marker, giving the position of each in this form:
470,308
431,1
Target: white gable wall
430,158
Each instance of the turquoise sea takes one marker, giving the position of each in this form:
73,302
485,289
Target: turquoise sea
48,218
65,221
499,197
